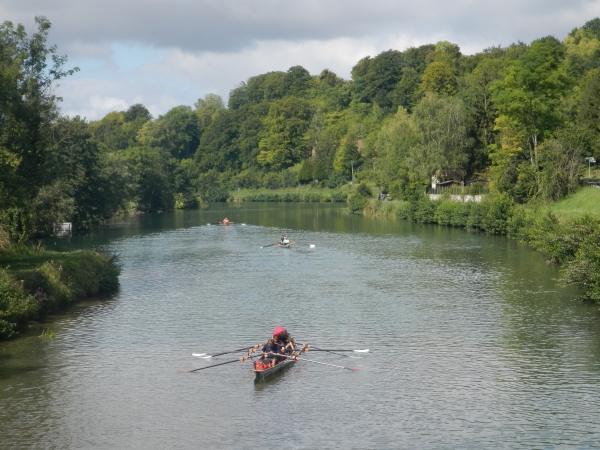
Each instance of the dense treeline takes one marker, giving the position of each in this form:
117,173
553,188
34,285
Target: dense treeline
522,118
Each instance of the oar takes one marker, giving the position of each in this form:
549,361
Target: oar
296,358
366,350
275,243
332,352
245,358
204,355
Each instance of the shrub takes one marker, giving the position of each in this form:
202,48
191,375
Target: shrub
15,305
424,210
339,197
364,191
335,179
584,269
499,209
357,203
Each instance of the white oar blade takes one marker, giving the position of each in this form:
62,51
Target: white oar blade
198,354
362,351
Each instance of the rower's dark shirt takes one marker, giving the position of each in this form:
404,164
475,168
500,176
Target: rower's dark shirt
267,348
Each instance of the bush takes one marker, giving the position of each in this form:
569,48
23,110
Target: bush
335,180
339,197
583,270
499,210
306,172
364,191
16,306
424,210
357,203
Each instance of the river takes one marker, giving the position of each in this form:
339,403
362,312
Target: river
473,344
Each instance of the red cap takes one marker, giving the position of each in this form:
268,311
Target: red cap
279,331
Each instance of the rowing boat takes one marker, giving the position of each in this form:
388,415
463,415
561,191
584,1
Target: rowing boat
287,245
260,375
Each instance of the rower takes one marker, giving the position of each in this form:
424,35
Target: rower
281,334
225,221
282,238
270,350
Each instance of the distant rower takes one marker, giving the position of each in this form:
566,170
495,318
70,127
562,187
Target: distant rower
225,221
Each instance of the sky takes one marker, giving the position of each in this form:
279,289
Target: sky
164,53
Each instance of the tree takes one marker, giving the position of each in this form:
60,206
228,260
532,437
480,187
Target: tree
347,157
481,108
375,78
210,102
282,144
137,111
441,123
561,163
177,132
589,111
406,92
238,96
76,163
439,78
28,70
111,134
297,81
530,93
394,142
583,48
151,170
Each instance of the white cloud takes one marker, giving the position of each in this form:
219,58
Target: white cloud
168,52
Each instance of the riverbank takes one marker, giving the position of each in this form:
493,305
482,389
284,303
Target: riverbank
35,282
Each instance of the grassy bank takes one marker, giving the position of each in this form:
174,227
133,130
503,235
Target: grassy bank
35,282
297,194
585,201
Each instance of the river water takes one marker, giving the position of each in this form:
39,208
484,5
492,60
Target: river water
473,344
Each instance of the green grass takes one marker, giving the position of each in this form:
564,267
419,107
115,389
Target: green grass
585,201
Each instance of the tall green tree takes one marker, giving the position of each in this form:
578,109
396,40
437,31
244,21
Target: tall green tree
444,142
176,132
530,93
28,70
283,143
